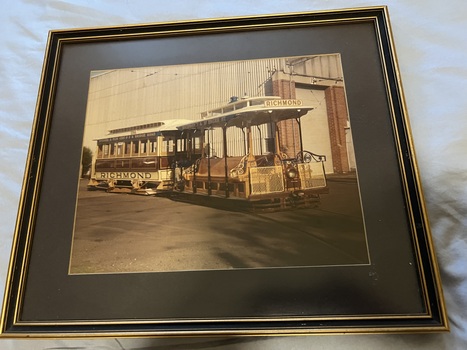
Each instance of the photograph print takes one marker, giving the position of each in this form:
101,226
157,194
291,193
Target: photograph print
216,166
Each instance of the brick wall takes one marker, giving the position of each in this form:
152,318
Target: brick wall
337,119
336,107
289,131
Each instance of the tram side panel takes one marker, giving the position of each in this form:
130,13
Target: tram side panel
266,179
139,166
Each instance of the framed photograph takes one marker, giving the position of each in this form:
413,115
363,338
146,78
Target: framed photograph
234,176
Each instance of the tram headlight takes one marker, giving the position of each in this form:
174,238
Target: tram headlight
291,173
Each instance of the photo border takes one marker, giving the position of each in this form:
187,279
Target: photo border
39,243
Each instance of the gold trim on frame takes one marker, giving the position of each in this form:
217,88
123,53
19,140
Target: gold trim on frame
434,320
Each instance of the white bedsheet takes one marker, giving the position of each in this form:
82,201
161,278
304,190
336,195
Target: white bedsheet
431,43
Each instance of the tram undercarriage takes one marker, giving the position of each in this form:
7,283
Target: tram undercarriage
147,188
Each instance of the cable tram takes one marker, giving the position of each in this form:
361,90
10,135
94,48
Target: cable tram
139,159
244,158
237,152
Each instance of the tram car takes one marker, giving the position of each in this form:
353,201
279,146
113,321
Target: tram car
245,156
236,153
140,159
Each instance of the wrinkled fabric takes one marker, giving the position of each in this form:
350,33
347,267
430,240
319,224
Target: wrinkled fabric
431,46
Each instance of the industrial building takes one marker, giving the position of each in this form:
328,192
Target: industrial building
125,98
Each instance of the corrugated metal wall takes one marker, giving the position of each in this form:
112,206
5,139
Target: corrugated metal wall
126,97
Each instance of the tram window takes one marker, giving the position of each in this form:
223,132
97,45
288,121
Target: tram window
143,147
119,149
127,148
171,145
152,146
135,147
167,145
197,143
105,150
180,145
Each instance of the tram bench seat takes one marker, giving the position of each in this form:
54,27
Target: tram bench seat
217,166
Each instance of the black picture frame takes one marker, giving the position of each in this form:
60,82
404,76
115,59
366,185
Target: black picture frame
399,291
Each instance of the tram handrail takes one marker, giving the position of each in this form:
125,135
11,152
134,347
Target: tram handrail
307,157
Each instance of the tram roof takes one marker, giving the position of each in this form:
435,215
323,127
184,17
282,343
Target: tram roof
255,111
146,129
